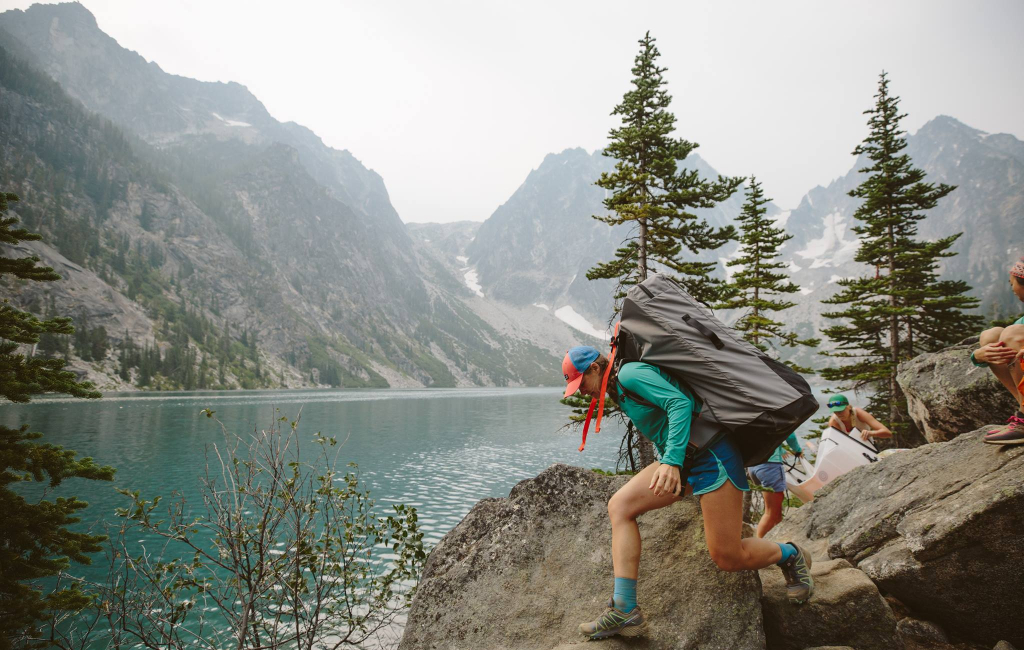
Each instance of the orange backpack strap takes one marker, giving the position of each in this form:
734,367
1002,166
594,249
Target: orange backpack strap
586,425
607,374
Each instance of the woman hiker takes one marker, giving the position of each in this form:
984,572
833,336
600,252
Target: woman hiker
717,478
1002,350
846,418
771,475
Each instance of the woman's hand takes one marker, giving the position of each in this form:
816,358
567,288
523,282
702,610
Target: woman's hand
665,481
997,353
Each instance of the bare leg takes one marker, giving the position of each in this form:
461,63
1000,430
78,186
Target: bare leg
632,500
723,524
1007,376
772,513
1013,337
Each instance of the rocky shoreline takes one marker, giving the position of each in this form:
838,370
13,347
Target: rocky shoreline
919,551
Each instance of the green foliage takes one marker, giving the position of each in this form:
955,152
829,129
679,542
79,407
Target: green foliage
35,542
284,552
761,279
902,309
649,190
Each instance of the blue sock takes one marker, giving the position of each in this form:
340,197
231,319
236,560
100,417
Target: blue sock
788,551
625,595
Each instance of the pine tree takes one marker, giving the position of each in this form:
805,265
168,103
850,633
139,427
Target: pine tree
902,308
651,191
34,540
759,284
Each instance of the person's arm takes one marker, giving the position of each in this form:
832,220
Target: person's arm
833,421
997,353
794,444
878,430
648,383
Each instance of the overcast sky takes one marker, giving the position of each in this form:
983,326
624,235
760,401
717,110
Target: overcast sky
453,103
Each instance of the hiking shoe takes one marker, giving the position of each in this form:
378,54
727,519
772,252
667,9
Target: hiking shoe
797,570
1012,433
614,622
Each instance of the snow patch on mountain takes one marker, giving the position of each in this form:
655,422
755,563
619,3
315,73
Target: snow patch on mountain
230,122
782,218
473,282
569,316
542,306
835,246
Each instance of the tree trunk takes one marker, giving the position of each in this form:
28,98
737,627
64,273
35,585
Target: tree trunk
643,249
894,332
646,449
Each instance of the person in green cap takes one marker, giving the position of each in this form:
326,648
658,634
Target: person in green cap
846,418
772,476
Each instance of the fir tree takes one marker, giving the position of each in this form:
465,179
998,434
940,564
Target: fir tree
757,288
35,541
649,190
902,308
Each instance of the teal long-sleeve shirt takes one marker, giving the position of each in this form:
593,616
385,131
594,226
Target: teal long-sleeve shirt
793,443
667,423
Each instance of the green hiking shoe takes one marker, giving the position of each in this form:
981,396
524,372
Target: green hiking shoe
614,622
797,570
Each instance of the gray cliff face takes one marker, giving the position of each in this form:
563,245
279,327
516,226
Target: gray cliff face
986,207
538,246
168,111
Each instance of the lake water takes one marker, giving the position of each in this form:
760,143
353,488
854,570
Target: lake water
438,450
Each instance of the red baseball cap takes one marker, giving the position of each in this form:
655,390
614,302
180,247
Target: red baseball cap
575,363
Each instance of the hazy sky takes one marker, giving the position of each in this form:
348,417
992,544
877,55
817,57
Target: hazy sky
453,103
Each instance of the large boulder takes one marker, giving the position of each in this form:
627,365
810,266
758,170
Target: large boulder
523,572
947,394
940,527
846,609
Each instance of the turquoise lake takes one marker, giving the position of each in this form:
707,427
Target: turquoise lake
438,450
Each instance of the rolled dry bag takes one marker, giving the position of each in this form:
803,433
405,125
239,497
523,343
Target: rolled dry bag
757,399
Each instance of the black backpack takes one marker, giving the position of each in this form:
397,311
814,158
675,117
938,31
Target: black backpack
744,393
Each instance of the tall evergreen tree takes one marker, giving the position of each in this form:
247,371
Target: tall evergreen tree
35,541
902,308
759,284
649,190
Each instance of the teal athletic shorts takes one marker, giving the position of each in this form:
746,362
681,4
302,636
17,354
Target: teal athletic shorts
722,461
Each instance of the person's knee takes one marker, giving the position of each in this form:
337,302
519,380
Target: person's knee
727,559
1012,335
990,336
618,508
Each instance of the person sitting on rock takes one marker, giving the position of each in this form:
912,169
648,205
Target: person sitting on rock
771,475
717,478
846,418
1002,350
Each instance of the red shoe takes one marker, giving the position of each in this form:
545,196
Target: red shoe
1012,433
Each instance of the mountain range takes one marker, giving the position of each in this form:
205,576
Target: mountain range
186,219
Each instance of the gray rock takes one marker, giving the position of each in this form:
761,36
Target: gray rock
845,608
948,395
1003,645
523,572
913,628
940,527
